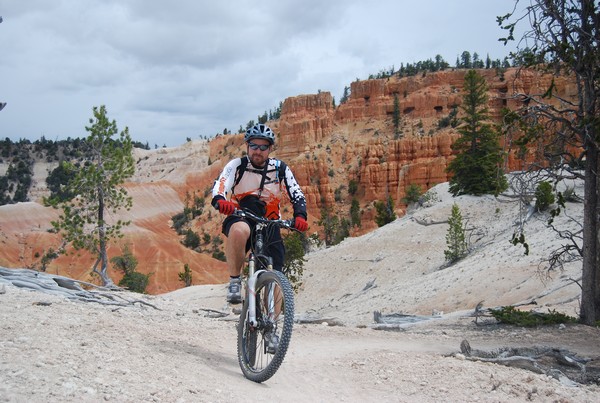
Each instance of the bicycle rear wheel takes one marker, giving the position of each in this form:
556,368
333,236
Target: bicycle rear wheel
275,316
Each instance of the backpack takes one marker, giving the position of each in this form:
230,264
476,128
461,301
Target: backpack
280,167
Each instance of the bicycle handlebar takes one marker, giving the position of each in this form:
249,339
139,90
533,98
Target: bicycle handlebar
287,224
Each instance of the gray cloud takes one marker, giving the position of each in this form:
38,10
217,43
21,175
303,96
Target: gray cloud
172,70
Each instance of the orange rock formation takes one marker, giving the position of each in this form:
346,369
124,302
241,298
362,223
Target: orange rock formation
327,146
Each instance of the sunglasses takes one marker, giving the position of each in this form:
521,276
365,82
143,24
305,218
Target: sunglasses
263,147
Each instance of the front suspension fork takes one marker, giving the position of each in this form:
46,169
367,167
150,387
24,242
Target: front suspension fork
251,285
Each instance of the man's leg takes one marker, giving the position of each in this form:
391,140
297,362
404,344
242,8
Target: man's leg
235,252
235,248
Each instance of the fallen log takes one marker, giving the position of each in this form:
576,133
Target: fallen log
67,287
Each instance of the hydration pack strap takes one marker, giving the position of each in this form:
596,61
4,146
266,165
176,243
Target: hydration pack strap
264,177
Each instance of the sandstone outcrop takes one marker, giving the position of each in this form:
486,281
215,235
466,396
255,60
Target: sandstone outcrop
327,147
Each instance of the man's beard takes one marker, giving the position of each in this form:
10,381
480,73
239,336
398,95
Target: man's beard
260,163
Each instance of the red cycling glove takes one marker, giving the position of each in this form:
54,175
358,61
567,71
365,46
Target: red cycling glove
226,207
300,224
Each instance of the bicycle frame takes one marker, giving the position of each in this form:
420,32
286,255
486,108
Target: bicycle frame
267,316
261,224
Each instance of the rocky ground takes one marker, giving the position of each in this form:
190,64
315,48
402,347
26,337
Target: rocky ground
170,349
56,350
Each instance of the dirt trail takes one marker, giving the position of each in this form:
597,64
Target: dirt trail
56,350
63,351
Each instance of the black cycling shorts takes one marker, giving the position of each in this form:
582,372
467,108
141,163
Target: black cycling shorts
274,244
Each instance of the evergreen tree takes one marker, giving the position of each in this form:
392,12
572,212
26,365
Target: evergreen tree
477,168
352,187
98,185
465,60
191,240
385,212
413,193
263,118
345,96
544,196
439,62
476,60
455,237
58,183
132,280
355,212
330,223
186,275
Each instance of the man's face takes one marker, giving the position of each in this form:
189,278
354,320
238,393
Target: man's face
257,156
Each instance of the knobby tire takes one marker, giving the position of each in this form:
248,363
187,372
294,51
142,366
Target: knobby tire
256,363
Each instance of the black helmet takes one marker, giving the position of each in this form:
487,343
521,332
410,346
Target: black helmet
260,131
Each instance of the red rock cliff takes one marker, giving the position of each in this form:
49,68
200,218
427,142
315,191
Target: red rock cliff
327,147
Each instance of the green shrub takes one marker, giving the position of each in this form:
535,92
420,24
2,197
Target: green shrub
352,187
191,240
186,275
135,281
413,193
179,221
219,255
355,213
544,196
132,280
293,265
512,316
337,194
385,212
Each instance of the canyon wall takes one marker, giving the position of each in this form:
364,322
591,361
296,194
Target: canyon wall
328,146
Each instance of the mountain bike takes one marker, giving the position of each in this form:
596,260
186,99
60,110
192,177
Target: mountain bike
267,316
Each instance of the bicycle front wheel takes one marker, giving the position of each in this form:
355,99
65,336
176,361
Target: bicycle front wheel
261,348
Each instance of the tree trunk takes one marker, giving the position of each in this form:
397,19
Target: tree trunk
587,73
590,293
106,280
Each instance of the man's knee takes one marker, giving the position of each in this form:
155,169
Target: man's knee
239,231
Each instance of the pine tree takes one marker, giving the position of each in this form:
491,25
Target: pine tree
132,280
455,237
465,60
477,168
98,185
345,95
330,223
385,212
355,212
186,275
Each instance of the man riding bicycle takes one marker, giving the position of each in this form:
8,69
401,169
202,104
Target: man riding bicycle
255,182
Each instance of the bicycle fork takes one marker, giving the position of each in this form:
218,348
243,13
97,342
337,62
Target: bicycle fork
251,284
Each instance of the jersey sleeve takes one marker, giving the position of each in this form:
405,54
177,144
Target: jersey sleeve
295,194
224,183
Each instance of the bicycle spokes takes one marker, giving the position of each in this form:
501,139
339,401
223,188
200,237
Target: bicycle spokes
261,348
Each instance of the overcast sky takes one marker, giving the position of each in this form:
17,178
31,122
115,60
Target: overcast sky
172,70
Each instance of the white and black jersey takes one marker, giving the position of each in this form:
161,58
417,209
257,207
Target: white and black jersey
240,179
